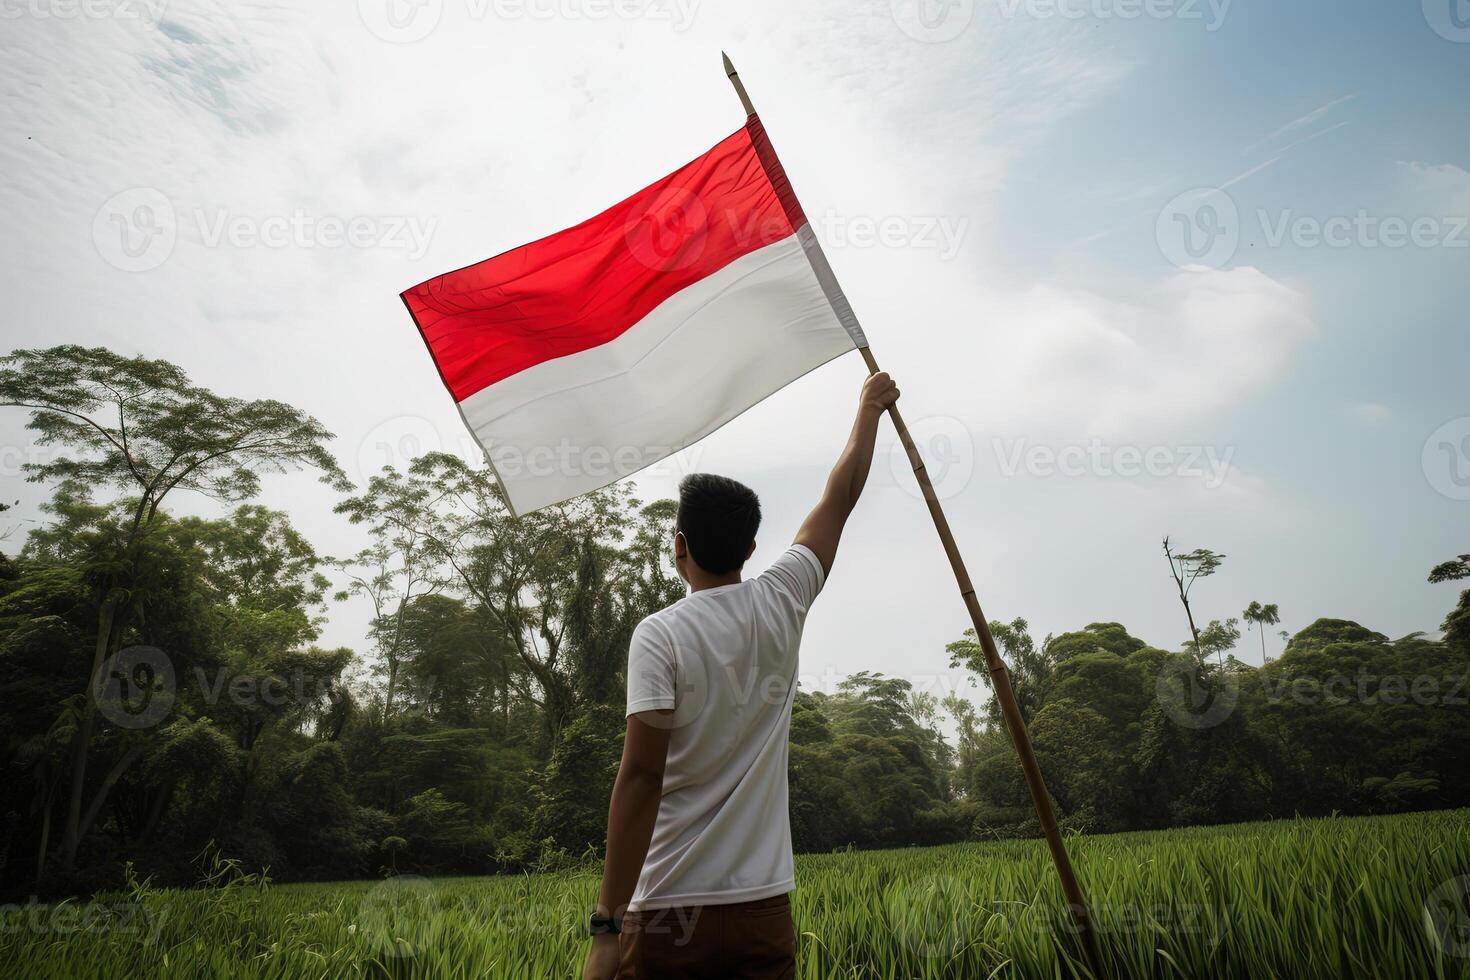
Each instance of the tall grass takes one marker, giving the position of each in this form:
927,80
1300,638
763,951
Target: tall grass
1358,897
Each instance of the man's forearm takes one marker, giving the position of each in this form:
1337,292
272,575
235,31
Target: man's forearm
822,528
851,472
630,820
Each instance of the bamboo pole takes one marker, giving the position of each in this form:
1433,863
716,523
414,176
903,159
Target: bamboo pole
1000,679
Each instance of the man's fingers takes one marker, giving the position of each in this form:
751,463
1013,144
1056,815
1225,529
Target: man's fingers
879,389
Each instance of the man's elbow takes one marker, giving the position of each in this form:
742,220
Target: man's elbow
642,780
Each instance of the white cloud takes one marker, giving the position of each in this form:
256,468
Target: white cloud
1448,184
1156,360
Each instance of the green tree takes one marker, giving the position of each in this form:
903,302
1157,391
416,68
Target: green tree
560,585
1111,638
1456,625
1448,571
1358,711
1214,640
866,770
1030,668
401,566
458,670
1260,616
143,427
1187,568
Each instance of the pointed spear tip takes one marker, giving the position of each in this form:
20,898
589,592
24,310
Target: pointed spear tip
729,65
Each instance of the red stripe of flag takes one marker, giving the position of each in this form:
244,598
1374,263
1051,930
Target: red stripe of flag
582,287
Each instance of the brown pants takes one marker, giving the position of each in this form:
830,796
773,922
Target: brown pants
746,941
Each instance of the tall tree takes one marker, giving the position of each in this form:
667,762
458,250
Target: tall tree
1188,568
1261,615
1456,625
143,427
563,585
1030,668
401,566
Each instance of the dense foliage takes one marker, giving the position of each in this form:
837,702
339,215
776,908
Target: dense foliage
478,725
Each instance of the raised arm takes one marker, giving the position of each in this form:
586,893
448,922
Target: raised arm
822,528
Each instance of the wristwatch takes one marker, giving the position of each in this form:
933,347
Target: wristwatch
603,925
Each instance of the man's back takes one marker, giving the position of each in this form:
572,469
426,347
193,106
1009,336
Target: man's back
725,660
698,830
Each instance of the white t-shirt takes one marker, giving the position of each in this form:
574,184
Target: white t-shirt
725,660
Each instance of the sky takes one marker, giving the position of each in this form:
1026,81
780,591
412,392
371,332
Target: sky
1141,267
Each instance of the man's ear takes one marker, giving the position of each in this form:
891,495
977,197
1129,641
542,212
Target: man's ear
682,560
750,552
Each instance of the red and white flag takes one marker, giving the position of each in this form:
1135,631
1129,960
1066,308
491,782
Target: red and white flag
586,356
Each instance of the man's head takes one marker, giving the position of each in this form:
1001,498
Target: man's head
716,524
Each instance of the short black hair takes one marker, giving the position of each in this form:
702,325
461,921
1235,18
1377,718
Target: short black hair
718,518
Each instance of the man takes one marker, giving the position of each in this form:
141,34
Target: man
699,862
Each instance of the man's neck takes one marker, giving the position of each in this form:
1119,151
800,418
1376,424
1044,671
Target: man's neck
703,580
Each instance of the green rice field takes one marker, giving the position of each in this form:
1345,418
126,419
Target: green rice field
1336,897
